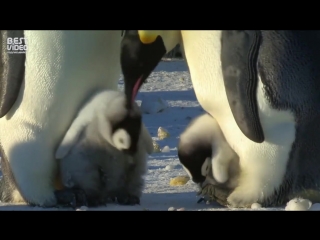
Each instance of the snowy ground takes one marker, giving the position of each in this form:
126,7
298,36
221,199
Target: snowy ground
171,82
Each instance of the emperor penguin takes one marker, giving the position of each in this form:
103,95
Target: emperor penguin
41,93
262,88
104,153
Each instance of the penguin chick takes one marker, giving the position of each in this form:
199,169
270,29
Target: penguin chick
104,153
207,157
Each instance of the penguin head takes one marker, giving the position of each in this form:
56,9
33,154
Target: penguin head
121,127
126,133
200,172
141,51
197,170
196,160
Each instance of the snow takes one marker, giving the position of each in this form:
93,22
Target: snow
151,105
170,86
165,149
255,206
170,167
315,207
298,204
83,208
171,209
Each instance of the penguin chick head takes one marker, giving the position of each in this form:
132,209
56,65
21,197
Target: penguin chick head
119,126
194,156
126,132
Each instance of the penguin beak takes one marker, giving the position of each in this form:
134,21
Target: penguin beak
141,51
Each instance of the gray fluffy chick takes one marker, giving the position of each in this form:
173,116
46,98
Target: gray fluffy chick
103,154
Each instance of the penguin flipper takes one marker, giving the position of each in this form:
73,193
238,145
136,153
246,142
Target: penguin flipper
239,58
69,140
73,133
12,68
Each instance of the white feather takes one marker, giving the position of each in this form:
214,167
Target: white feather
121,139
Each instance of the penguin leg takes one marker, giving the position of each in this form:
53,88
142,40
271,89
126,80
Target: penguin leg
248,191
260,175
71,197
76,197
134,184
128,199
84,182
30,183
8,189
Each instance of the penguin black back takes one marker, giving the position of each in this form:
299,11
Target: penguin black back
294,57
289,63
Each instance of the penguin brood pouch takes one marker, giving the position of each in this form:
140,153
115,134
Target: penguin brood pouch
103,154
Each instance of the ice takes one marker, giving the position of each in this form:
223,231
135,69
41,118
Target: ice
154,104
165,149
298,204
255,206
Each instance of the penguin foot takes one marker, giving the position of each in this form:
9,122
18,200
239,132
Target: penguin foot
202,199
123,198
214,193
111,197
238,199
127,199
71,197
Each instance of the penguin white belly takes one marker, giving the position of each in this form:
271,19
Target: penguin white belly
62,69
262,165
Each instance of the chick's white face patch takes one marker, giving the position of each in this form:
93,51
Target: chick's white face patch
121,139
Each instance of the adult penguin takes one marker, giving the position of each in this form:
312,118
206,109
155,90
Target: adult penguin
42,90
263,89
